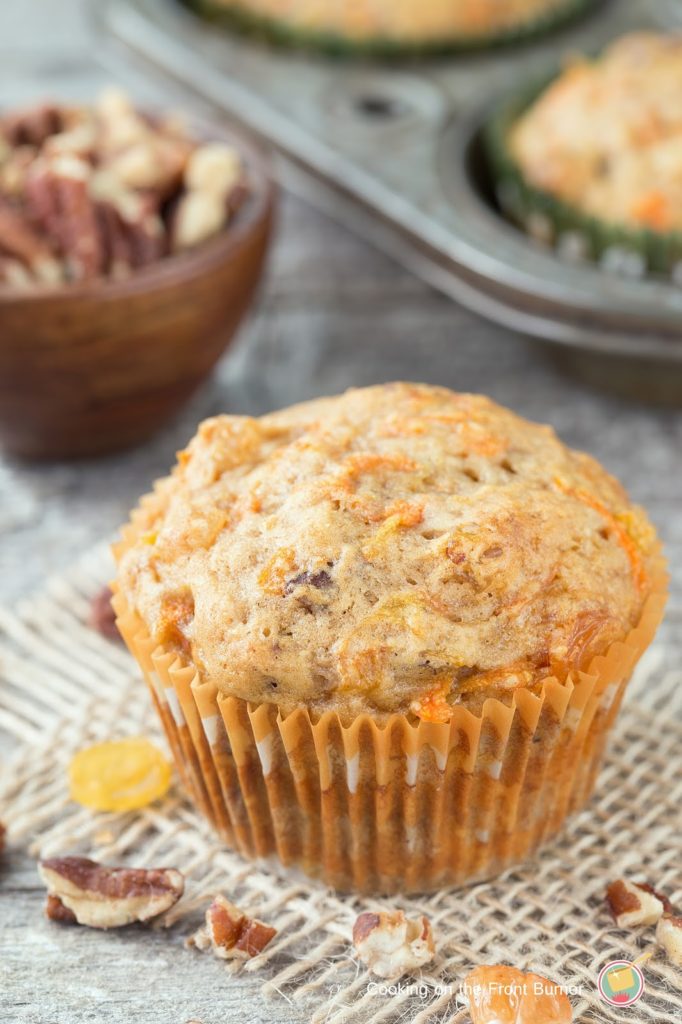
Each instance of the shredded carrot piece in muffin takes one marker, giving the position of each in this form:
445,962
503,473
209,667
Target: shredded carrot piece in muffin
273,576
433,706
474,435
400,515
369,462
618,528
177,612
653,210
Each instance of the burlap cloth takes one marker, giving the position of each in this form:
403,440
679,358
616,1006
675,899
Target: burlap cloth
548,916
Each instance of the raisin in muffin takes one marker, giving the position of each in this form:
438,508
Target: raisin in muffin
599,149
383,23
397,554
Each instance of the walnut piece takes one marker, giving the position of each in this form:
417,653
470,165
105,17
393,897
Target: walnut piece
391,944
635,903
669,936
230,933
106,897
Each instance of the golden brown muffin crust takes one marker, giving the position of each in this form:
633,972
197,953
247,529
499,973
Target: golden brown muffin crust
606,135
398,548
406,20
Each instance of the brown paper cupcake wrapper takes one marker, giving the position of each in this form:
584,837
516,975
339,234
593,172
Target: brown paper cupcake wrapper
398,806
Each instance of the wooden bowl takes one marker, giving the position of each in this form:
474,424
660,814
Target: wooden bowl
95,367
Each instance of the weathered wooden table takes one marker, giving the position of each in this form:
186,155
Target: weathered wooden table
333,313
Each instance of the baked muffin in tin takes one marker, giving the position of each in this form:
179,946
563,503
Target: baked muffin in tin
401,615
391,26
591,161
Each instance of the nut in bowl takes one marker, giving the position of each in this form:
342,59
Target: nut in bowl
130,250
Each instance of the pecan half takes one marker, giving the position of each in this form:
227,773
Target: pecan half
59,201
635,903
669,936
106,897
391,944
230,933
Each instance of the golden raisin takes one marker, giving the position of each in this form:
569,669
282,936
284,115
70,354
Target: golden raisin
119,775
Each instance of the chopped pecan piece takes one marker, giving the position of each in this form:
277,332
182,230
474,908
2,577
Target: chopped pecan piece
669,936
321,580
391,944
19,240
15,273
230,933
102,615
198,217
121,125
31,127
56,911
59,200
78,140
309,599
14,168
635,903
154,163
105,897
213,167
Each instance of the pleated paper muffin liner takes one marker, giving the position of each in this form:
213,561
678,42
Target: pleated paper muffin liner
572,233
397,804
281,33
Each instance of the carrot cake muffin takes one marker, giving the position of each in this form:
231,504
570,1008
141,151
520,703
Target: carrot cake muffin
398,554
430,23
604,139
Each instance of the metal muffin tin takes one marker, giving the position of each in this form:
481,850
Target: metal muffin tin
402,141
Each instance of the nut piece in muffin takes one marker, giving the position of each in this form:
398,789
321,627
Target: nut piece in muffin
606,135
399,548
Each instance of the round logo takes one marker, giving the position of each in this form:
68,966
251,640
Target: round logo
621,983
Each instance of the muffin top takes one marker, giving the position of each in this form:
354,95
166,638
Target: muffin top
606,136
400,548
417,20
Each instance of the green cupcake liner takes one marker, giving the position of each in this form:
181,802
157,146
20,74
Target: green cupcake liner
566,228
281,34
